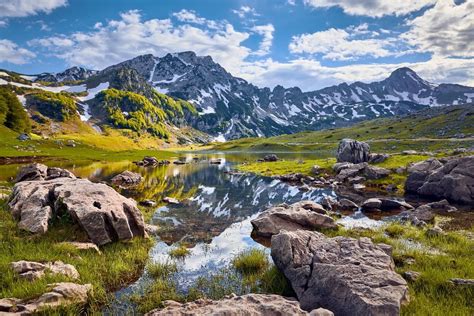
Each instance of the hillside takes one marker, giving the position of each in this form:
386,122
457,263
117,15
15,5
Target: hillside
212,101
429,129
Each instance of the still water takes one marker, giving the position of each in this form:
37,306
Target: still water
213,217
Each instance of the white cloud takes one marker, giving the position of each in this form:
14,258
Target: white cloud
373,8
340,44
12,53
3,23
22,8
122,39
311,75
446,29
267,32
189,16
291,2
246,11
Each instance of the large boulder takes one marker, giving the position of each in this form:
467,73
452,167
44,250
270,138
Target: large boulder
127,179
346,171
300,215
103,213
453,181
250,304
345,275
353,151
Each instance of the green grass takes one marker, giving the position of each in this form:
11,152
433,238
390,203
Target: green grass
392,135
180,251
158,270
283,167
119,264
252,261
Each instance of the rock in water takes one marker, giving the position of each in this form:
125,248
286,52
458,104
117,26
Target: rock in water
301,215
250,304
37,171
453,181
270,158
127,179
345,275
103,213
350,150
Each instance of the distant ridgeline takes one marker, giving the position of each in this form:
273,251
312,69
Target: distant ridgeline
163,96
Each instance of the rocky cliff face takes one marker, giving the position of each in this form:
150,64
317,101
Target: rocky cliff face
231,107
71,74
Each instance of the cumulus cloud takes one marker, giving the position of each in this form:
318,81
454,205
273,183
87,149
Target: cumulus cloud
12,53
447,29
22,8
118,40
244,11
190,16
311,75
266,31
373,8
344,44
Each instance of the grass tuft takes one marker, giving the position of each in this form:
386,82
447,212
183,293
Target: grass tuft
251,261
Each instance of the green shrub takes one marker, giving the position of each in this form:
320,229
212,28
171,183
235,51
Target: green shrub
57,106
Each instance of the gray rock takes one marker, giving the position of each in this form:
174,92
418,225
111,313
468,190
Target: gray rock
270,158
103,213
250,304
345,275
300,215
23,137
127,179
411,275
148,203
348,204
454,181
170,200
391,204
37,171
378,158
456,281
373,173
372,203
353,151
31,270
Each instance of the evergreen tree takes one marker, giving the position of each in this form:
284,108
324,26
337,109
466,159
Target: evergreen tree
15,116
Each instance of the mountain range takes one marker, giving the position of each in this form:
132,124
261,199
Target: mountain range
227,107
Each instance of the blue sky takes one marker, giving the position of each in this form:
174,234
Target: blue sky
306,43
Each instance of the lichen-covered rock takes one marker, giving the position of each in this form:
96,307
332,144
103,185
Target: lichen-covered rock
300,215
103,213
250,304
353,151
345,275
